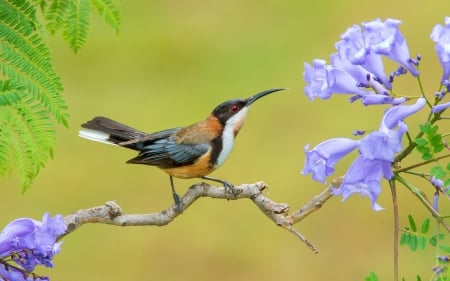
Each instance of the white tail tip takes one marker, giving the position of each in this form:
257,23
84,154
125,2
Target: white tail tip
95,135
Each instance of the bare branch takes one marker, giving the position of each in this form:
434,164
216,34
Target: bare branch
112,213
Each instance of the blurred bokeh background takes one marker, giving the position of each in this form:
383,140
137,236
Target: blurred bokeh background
170,65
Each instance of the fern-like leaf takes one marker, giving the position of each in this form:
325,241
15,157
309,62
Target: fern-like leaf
56,14
25,58
26,139
76,26
10,93
30,93
109,11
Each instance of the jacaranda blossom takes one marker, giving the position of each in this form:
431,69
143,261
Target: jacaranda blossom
377,152
441,35
364,177
386,39
25,243
320,161
358,69
440,107
324,80
354,47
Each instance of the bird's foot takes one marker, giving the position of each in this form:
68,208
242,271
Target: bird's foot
231,189
178,203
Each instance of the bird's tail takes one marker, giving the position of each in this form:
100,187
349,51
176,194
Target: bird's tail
102,129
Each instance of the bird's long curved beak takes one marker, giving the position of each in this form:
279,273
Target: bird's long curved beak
254,98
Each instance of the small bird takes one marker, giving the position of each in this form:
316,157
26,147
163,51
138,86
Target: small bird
184,152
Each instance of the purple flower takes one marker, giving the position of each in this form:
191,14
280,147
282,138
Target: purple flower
381,145
27,243
324,80
386,39
381,99
364,177
396,114
441,35
320,161
436,182
440,107
353,48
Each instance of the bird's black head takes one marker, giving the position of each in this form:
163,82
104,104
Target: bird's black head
225,111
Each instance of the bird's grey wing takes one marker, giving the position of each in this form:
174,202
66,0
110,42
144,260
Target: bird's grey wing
166,153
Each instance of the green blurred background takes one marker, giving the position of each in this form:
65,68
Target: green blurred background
171,64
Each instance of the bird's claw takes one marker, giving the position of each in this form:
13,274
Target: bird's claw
231,189
178,203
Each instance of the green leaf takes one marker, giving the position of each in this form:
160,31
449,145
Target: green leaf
30,93
56,14
427,156
425,226
372,277
434,239
447,183
435,140
421,242
404,239
26,140
25,58
413,242
423,149
412,223
438,172
438,148
425,128
433,130
10,93
421,142
445,248
109,11
76,25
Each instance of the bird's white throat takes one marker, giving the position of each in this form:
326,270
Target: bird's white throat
231,129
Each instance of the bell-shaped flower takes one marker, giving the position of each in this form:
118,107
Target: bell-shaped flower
381,99
441,35
440,107
383,145
320,161
354,49
324,80
395,114
386,39
364,177
28,243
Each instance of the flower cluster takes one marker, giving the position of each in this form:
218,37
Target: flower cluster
25,243
357,69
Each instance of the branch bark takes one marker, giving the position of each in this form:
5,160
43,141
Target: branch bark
111,213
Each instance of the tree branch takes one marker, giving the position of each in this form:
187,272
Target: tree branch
112,213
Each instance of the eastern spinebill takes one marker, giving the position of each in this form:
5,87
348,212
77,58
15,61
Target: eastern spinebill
184,152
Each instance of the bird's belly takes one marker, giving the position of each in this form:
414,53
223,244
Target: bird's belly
201,167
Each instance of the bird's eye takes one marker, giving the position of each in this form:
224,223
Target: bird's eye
234,108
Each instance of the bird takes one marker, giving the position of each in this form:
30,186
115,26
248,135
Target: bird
187,152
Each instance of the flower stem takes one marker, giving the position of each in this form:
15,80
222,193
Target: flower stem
396,227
